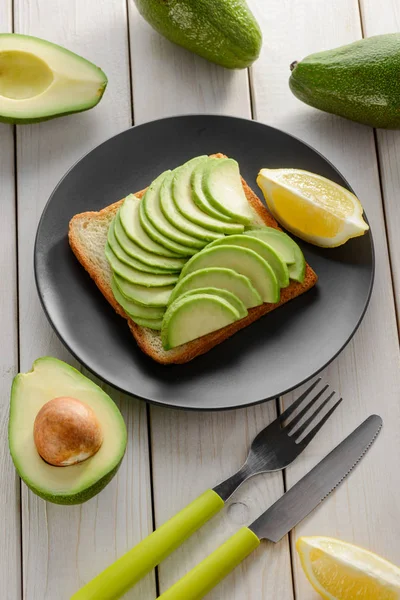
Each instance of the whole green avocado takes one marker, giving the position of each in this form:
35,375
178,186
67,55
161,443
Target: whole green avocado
360,81
223,31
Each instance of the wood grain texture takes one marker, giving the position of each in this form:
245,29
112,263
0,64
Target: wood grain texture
378,18
168,80
367,373
63,547
10,548
193,451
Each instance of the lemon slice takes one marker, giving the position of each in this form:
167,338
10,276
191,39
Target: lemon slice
341,571
312,207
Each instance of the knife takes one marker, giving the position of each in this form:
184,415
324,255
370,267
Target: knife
281,517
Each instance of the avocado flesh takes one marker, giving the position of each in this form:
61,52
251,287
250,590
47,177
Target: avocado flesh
139,277
178,219
152,207
359,81
225,294
192,317
280,241
155,324
133,309
40,80
218,277
223,187
297,270
264,250
51,378
129,215
286,248
183,198
129,260
160,238
244,261
156,261
152,231
147,296
222,31
199,197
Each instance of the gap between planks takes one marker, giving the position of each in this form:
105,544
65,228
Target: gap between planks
380,161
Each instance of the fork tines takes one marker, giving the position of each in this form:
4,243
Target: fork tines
292,424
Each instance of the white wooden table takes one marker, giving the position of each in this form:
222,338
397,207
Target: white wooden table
47,552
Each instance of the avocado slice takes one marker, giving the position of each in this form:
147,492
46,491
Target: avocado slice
139,277
244,261
176,218
163,263
159,238
218,277
152,207
155,324
40,80
223,31
183,199
52,378
264,250
283,244
192,317
359,81
131,261
287,248
223,187
133,309
153,232
130,220
228,296
148,296
199,196
146,316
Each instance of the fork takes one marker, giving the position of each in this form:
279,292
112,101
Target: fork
273,449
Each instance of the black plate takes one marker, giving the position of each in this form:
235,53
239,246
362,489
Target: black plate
269,358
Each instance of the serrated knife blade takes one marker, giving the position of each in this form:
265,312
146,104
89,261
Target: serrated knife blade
314,487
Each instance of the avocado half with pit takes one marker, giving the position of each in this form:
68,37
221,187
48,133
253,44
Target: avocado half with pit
66,436
40,80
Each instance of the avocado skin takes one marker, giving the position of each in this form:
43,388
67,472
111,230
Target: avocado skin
78,498
32,121
360,81
223,31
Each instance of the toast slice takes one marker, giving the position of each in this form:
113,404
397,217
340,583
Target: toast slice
87,237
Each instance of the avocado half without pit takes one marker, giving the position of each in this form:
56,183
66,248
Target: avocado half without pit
40,80
66,436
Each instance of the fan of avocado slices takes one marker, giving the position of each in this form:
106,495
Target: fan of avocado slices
189,258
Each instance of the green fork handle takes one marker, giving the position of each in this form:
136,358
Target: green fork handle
200,580
116,580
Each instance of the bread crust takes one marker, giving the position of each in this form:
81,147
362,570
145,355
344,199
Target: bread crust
148,340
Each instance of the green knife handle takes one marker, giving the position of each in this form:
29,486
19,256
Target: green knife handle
116,580
200,580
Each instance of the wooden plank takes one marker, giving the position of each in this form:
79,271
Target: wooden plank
367,373
169,80
63,547
10,549
384,17
193,451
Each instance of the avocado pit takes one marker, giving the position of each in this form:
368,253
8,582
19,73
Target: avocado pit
66,432
23,75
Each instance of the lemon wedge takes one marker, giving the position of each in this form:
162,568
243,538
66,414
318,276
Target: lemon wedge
312,207
340,571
